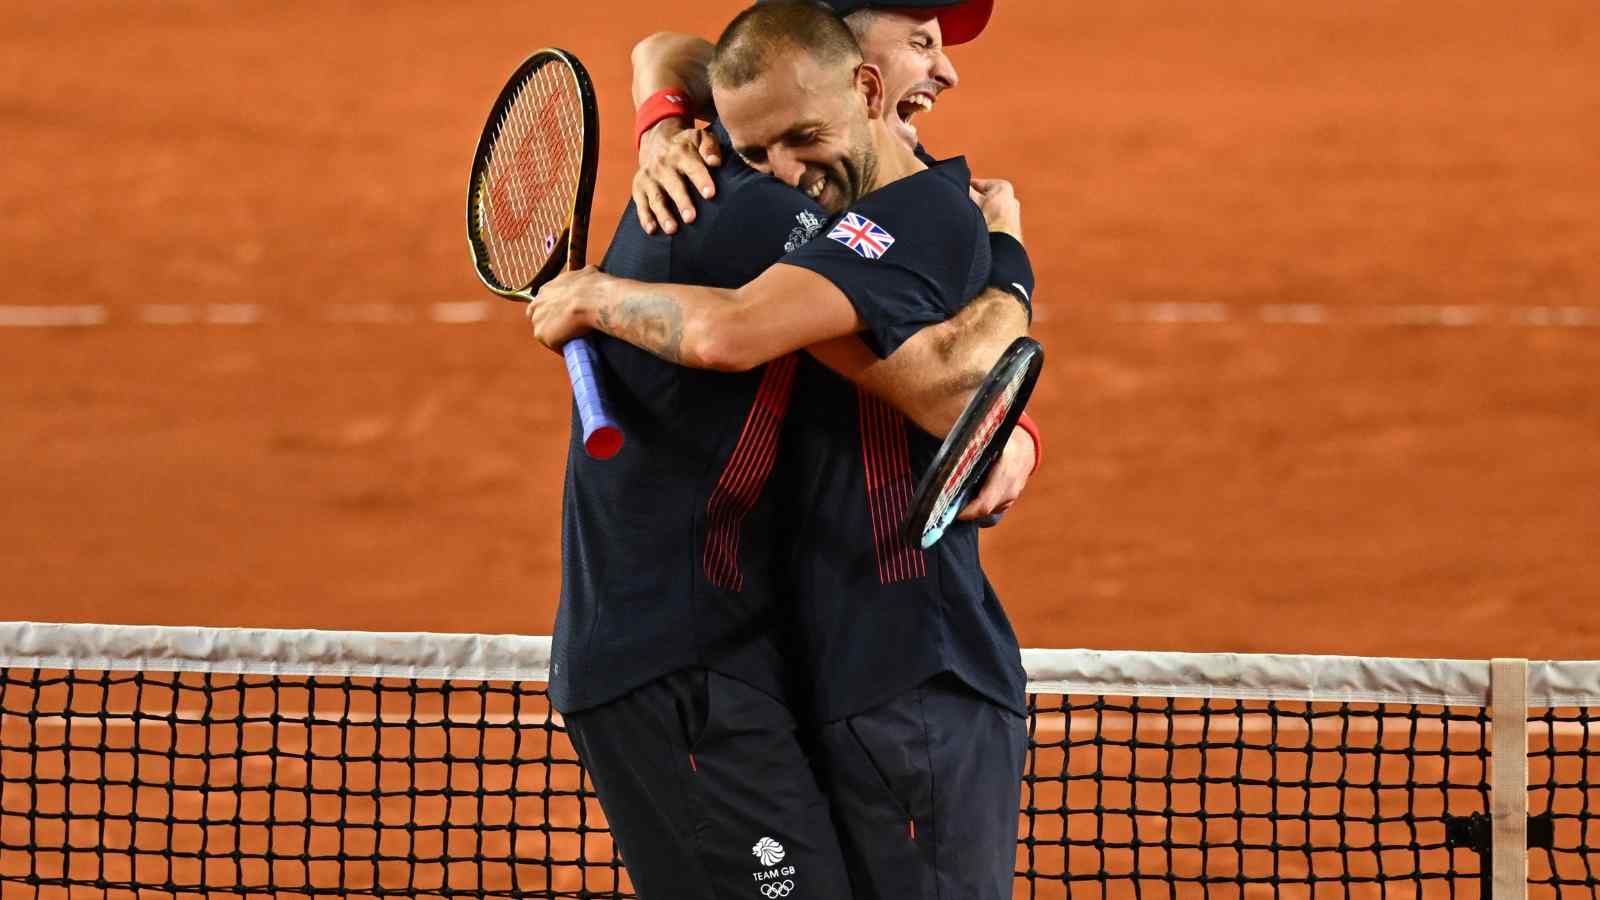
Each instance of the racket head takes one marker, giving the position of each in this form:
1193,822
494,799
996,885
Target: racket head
970,450
533,176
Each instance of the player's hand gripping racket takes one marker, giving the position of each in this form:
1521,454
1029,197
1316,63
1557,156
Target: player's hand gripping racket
974,444
528,205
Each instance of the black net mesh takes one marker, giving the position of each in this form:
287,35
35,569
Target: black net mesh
1142,797
1563,802
217,785
153,784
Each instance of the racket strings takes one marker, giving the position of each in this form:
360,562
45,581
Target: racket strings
504,258
531,175
510,212
513,188
524,185
569,121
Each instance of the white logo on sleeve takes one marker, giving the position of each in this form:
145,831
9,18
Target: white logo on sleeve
1023,291
769,851
809,225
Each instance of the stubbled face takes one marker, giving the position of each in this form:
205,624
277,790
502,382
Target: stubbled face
805,125
909,50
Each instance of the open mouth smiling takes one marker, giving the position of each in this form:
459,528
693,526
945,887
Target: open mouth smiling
916,102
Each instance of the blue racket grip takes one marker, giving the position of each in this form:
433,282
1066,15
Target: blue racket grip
602,437
990,520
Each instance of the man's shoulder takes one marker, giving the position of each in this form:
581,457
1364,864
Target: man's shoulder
744,193
943,179
928,215
936,197
752,216
748,224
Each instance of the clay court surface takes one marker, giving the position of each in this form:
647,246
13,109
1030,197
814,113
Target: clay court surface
1320,285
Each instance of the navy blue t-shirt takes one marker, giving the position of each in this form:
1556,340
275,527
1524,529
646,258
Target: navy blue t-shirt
876,614
667,551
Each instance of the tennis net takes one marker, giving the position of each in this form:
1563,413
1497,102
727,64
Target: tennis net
142,761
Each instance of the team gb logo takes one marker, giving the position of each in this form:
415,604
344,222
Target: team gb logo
769,851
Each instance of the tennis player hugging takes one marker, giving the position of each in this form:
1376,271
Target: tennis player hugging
776,694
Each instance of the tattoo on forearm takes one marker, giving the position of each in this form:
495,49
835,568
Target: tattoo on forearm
652,322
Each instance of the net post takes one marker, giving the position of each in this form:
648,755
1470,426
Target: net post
1508,694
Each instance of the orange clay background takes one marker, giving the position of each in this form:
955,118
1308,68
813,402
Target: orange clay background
1320,285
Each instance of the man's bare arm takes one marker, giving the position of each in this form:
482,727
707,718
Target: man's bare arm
669,59
934,374
674,156
782,310
930,378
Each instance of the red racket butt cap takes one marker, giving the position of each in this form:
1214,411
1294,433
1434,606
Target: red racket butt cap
603,442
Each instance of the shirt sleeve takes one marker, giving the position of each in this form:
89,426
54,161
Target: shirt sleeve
754,226
902,255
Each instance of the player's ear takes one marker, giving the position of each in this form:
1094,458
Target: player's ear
869,84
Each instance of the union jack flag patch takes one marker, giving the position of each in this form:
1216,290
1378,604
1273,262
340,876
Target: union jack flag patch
862,235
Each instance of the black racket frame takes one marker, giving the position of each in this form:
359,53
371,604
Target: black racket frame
573,250
1023,352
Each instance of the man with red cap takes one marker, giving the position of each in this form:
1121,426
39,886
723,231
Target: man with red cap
918,736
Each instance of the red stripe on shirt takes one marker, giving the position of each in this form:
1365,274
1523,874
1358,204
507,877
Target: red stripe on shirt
745,474
886,456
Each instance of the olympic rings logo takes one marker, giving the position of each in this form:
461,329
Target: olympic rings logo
772,890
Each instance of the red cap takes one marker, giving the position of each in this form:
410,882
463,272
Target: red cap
959,20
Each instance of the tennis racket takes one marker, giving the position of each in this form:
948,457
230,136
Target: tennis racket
528,206
974,444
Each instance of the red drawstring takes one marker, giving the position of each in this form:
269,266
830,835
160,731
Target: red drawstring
912,825
692,763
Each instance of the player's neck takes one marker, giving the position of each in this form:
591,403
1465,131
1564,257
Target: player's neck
895,159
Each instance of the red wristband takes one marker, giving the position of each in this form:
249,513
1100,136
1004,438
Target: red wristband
670,103
1027,424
